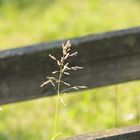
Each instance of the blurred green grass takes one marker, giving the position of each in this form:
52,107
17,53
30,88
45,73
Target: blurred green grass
31,21
26,22
88,111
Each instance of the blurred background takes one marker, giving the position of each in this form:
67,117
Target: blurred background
24,22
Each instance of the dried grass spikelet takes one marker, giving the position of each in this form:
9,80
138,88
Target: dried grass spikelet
64,69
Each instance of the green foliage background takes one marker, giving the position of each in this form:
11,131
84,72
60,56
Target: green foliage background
24,22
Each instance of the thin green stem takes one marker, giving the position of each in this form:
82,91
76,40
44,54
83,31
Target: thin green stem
57,104
56,118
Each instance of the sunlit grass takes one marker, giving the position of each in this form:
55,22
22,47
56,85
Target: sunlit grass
87,111
64,19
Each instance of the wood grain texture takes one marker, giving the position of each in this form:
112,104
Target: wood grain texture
107,58
128,133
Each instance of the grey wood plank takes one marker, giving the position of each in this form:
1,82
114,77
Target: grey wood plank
107,58
128,133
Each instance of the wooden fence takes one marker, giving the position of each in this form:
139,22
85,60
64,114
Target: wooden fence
108,58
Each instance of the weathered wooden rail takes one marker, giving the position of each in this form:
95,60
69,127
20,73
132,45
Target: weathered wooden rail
108,58
128,133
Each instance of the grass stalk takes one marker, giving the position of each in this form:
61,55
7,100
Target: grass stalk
56,83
